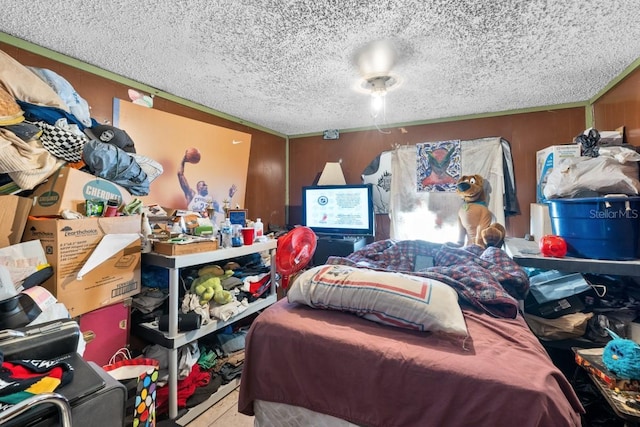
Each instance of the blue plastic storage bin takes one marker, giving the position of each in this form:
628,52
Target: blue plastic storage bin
598,227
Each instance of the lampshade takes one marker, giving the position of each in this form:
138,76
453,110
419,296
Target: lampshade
376,58
332,174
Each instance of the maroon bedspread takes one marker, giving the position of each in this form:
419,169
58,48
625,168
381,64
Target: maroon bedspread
375,375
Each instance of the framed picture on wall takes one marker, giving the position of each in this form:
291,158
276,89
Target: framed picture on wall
238,216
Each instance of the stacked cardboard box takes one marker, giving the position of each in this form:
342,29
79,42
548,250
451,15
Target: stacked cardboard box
69,245
13,217
95,260
70,189
540,221
546,160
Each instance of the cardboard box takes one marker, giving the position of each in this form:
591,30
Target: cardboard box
540,221
591,360
173,249
70,188
549,158
69,244
14,211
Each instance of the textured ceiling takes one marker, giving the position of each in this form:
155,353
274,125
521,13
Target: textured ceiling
291,66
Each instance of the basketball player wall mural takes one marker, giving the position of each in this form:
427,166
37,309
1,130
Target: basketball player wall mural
205,166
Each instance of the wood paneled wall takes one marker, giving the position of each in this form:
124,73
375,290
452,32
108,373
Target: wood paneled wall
526,132
620,106
266,181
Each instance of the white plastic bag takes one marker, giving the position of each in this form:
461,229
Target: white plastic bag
601,174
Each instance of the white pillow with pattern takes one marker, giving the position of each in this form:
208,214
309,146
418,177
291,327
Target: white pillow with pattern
394,299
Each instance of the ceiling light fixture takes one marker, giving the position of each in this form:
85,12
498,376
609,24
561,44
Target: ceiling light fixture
375,61
376,58
378,93
378,87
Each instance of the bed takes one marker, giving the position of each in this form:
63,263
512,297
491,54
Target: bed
313,362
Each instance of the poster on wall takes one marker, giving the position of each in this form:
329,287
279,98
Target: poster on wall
203,165
438,166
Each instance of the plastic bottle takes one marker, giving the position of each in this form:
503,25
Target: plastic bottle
258,226
215,234
226,231
179,226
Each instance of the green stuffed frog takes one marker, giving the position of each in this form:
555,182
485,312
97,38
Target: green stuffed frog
208,285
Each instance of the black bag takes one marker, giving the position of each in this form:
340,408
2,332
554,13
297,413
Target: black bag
44,341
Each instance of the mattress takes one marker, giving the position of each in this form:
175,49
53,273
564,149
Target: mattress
368,374
269,414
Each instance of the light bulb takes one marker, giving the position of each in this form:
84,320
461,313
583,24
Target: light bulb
378,88
377,102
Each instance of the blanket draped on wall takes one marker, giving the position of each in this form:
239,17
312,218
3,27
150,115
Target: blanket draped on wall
433,216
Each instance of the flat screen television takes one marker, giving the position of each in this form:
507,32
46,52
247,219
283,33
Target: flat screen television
339,210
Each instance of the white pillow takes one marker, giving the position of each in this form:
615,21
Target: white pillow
394,299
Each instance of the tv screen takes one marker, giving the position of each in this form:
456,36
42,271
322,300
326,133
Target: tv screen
340,210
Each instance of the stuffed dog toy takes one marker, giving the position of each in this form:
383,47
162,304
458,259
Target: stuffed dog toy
474,217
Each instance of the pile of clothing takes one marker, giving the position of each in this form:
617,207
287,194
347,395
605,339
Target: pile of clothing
45,124
203,366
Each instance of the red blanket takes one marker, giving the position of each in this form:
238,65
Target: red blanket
375,375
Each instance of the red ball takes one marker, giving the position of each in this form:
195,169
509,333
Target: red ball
192,155
553,246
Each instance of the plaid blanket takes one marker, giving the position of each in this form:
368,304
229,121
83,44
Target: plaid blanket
487,279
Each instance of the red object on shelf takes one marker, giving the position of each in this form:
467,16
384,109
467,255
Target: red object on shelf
106,330
553,246
259,287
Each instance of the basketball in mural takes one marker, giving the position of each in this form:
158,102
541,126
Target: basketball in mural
192,155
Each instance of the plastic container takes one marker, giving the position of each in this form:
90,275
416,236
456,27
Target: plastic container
111,209
225,233
598,227
146,232
236,235
258,226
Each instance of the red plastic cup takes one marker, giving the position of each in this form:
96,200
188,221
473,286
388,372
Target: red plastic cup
247,235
